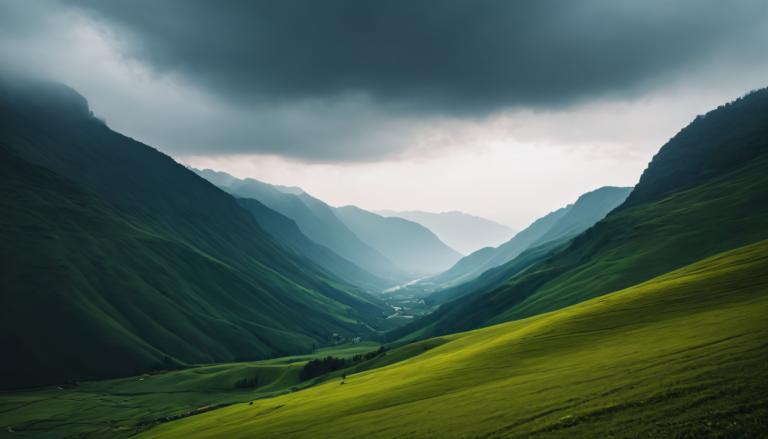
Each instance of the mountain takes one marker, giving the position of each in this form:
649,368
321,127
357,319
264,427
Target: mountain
584,213
315,219
491,278
285,232
413,247
720,204
563,223
116,260
680,356
462,232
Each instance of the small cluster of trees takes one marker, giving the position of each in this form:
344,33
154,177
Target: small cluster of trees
369,355
247,383
322,366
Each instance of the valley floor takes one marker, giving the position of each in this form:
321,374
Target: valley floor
122,407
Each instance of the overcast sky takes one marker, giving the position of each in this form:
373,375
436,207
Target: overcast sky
504,109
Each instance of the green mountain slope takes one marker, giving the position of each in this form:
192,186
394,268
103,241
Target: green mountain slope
484,259
563,223
682,355
314,218
584,213
642,240
413,247
491,278
463,232
285,231
117,260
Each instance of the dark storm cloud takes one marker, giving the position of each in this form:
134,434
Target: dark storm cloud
440,56
359,80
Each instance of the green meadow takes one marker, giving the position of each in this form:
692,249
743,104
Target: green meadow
681,355
125,406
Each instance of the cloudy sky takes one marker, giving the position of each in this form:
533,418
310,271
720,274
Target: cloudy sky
504,109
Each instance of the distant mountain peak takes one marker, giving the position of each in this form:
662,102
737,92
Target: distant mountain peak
462,231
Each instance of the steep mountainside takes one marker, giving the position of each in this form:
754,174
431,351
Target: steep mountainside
643,239
563,223
463,232
584,213
285,231
413,247
314,218
117,260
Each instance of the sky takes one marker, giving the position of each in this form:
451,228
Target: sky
503,109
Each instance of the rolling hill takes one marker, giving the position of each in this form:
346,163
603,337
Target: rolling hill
413,247
117,260
463,232
681,355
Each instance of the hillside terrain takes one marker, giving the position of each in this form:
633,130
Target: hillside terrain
562,224
285,232
314,218
107,240
125,406
681,355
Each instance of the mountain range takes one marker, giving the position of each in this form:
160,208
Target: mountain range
463,232
650,323
390,248
117,260
314,218
562,224
705,192
632,312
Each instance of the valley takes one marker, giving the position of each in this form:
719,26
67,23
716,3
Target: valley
620,314
361,219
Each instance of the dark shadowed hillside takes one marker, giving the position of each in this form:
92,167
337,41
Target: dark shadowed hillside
117,260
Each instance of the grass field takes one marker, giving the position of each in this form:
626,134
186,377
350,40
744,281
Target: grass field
682,355
124,406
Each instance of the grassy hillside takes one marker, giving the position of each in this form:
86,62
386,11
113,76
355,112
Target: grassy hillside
682,355
117,260
412,247
122,407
